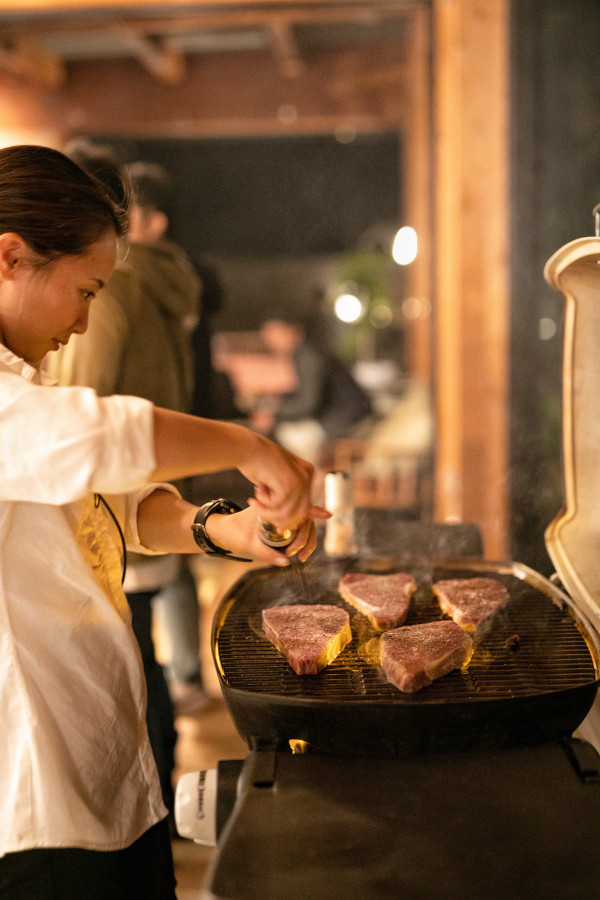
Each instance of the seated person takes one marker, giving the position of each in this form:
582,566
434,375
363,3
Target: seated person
326,404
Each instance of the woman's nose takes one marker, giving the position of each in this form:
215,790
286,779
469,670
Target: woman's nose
80,326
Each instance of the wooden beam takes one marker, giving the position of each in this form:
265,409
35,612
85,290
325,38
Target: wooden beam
203,16
417,198
472,277
160,58
25,60
228,94
393,77
47,6
286,48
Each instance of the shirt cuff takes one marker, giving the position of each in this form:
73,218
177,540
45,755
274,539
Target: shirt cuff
132,538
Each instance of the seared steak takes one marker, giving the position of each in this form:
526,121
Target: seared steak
470,601
414,656
383,599
309,635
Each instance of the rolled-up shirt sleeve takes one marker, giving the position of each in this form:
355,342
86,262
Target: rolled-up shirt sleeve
125,507
60,443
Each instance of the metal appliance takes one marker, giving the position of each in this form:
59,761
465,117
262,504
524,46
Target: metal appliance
474,787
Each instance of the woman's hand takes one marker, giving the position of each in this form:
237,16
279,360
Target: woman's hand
282,484
239,533
187,446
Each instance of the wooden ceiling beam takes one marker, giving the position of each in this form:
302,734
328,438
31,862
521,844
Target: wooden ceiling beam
62,7
286,49
238,16
160,58
25,60
394,76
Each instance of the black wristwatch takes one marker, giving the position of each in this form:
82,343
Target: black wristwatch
224,507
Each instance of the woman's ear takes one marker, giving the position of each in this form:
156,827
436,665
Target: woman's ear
13,251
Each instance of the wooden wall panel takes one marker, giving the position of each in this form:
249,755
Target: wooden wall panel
417,186
241,94
472,286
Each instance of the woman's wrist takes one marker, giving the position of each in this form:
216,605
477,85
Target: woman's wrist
214,532
208,536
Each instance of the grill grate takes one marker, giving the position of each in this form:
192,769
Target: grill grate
551,654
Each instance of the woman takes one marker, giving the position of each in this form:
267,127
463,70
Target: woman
82,814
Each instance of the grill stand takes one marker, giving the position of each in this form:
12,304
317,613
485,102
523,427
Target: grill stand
513,823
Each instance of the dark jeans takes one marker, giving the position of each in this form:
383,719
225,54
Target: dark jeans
160,717
143,871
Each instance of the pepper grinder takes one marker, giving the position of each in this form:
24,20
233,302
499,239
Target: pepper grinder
273,538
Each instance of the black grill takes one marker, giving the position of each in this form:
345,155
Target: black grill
531,647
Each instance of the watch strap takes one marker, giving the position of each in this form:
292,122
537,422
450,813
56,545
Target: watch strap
223,507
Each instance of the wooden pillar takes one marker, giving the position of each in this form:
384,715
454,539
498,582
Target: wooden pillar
471,265
417,180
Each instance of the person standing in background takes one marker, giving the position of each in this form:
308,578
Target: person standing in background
138,343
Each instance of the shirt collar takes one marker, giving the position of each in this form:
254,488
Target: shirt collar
14,363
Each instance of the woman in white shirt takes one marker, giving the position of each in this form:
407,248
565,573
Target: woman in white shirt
81,813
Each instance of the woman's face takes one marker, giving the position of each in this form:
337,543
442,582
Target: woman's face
40,308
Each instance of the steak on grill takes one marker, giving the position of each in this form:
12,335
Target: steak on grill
470,601
383,599
309,635
416,655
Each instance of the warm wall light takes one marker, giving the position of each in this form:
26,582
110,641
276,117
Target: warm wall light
547,328
10,138
404,248
348,307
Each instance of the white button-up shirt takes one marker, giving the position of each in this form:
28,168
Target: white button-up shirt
76,768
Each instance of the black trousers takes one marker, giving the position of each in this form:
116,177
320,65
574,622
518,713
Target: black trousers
143,871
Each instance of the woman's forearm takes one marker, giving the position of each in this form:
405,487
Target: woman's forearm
188,445
165,525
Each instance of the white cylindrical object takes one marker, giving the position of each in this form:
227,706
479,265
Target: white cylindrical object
340,539
196,807
338,492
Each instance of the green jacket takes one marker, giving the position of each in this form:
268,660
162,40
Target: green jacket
138,336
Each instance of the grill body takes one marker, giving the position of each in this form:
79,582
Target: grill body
512,693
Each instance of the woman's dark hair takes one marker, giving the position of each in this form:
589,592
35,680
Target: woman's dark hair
56,207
